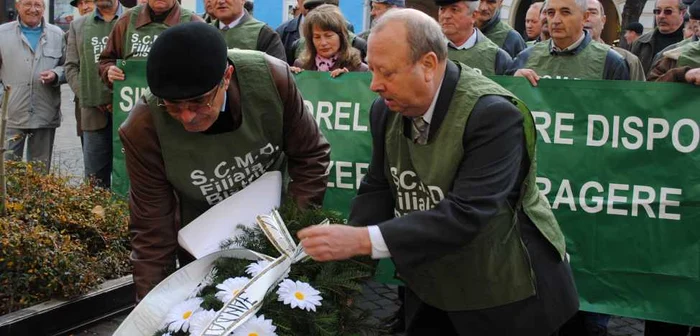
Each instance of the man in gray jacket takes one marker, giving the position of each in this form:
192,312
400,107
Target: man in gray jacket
87,38
31,61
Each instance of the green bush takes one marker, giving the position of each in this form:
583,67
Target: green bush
59,240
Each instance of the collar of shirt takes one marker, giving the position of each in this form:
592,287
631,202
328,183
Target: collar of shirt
553,49
232,24
428,116
117,14
223,104
470,42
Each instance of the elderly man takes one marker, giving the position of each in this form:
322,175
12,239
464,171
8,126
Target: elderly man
242,31
489,22
632,33
450,193
682,63
378,8
693,24
571,52
466,43
135,32
84,7
31,61
533,23
290,31
199,102
87,37
595,24
669,30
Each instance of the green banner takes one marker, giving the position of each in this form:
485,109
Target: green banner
618,162
125,95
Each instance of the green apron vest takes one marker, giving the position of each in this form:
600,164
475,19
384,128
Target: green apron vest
498,33
302,44
530,43
138,42
242,36
481,56
493,269
93,92
690,55
589,63
204,169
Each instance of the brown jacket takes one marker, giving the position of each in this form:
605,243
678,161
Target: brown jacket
666,70
152,200
115,45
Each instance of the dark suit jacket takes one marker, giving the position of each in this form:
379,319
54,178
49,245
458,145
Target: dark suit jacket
491,173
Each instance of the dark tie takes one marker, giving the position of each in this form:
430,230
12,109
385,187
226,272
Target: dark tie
420,131
225,28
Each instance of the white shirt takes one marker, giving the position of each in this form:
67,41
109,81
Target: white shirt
571,47
470,42
379,248
232,24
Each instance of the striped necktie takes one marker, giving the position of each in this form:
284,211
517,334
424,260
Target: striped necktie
420,131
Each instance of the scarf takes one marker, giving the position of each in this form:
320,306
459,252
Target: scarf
325,64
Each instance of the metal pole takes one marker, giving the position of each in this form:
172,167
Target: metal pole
3,127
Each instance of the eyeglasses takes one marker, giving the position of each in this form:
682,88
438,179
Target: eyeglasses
197,105
666,11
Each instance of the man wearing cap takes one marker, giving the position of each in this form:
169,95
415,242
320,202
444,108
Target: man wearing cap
290,31
595,24
533,23
571,53
135,32
668,15
489,22
450,195
680,64
467,44
213,122
87,37
378,8
242,31
632,33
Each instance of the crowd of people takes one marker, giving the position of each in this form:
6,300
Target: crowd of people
205,94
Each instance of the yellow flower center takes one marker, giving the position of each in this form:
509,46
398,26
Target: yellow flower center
299,295
186,315
253,334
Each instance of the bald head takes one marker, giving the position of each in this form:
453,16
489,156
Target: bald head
420,32
533,23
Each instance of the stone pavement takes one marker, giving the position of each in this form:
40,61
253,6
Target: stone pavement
381,299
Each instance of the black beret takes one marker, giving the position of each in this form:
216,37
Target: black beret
186,61
448,2
694,10
310,4
635,27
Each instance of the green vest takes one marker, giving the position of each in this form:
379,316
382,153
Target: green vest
481,56
530,43
302,44
493,269
204,169
589,63
244,35
138,42
690,55
93,92
499,32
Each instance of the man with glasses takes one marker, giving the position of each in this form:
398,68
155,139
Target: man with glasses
213,122
31,61
378,8
489,22
668,15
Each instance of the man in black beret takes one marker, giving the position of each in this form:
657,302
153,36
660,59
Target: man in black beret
632,32
466,43
193,140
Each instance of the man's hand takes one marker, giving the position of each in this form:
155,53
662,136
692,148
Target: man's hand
693,76
335,242
114,73
47,77
530,74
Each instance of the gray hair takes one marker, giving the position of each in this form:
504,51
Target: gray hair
535,5
473,6
681,5
423,33
583,5
544,6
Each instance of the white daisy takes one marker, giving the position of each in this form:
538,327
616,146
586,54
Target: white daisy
179,317
299,294
256,326
255,268
230,287
200,321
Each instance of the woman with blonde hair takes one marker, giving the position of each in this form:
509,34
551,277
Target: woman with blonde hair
327,44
